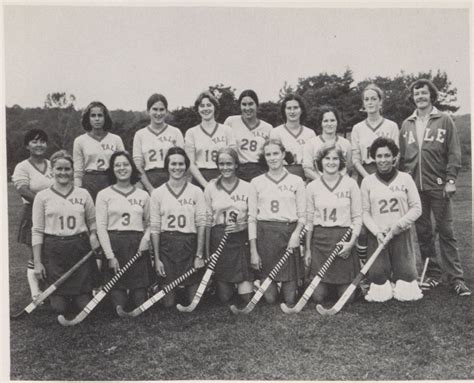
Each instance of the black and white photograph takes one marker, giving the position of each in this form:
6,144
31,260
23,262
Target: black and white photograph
237,191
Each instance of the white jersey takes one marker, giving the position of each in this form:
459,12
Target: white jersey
339,205
314,145
363,135
293,143
206,145
62,215
150,148
282,200
249,141
27,174
92,154
224,206
385,204
184,211
120,211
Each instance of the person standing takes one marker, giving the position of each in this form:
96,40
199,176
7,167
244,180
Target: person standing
430,151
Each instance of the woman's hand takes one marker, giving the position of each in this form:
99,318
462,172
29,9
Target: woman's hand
198,262
346,249
114,264
40,271
307,257
396,229
294,242
160,268
255,260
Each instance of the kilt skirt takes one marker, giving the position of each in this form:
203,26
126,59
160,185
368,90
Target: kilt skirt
59,254
233,265
250,170
94,181
157,176
272,241
323,242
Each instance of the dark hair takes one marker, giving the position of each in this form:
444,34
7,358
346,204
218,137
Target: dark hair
293,97
289,158
35,134
328,109
176,150
134,178
85,119
323,152
235,157
248,93
212,99
420,83
61,155
382,142
154,98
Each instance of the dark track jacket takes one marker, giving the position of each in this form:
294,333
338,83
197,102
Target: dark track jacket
440,158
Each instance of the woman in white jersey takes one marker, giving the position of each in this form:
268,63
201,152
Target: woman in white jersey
362,136
204,140
391,204
250,134
227,210
333,205
29,177
293,134
64,230
123,219
151,143
92,150
329,119
277,213
178,221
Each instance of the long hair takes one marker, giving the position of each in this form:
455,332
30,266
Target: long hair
85,119
135,176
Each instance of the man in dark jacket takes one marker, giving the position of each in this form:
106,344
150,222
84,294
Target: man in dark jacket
431,153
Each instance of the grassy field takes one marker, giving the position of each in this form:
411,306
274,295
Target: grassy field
429,339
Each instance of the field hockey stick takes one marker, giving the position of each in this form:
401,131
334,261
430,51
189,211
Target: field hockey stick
423,273
52,288
347,294
205,279
266,283
169,287
100,295
315,282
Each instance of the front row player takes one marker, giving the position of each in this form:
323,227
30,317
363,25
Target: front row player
391,204
178,219
123,216
227,210
277,214
333,205
64,230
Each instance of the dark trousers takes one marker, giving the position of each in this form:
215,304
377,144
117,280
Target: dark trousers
434,201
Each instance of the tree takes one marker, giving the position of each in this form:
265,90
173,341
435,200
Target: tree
227,101
60,100
270,112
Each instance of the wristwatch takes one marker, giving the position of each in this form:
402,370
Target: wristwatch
452,182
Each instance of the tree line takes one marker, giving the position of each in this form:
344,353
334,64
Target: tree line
61,120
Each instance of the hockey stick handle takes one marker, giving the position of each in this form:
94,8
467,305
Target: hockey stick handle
101,294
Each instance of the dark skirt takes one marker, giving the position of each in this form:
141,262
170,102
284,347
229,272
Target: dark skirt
233,265
323,242
272,241
125,245
24,230
177,252
59,254
250,170
157,176
208,175
296,169
94,182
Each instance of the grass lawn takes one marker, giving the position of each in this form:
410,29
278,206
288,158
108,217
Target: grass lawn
429,339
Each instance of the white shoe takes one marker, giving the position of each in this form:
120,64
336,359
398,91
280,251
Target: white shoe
379,293
407,291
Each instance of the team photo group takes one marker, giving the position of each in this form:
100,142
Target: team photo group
243,210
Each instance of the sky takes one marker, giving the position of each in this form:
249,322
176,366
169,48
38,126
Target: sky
120,55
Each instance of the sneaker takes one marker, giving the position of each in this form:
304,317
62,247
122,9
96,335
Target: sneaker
429,283
461,289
